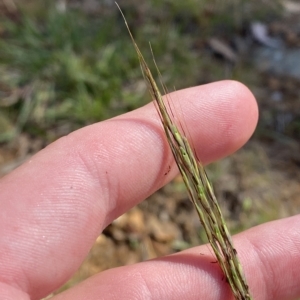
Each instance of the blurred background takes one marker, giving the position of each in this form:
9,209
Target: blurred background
66,64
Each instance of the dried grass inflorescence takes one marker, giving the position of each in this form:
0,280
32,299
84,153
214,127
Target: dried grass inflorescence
199,188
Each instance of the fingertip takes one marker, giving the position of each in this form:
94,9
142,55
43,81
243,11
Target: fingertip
242,115
221,119
246,107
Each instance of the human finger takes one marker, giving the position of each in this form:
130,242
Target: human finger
54,206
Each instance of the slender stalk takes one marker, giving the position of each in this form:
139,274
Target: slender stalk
199,188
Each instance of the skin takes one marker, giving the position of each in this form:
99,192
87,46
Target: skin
54,206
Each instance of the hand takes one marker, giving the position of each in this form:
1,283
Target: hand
54,206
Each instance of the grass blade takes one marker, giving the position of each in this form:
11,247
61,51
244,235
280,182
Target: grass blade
199,188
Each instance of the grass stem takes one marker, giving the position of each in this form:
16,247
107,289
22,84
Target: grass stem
199,188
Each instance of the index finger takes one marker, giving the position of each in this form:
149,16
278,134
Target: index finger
54,206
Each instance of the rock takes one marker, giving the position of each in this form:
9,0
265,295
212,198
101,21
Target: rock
162,231
282,62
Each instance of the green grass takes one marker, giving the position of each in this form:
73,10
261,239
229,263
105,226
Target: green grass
74,68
